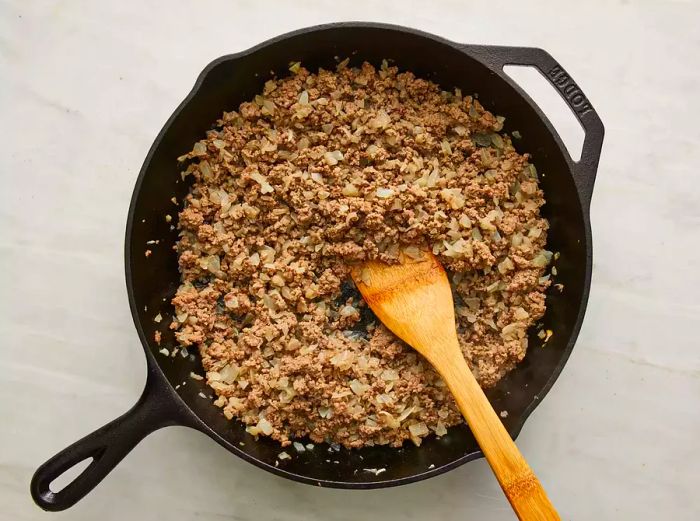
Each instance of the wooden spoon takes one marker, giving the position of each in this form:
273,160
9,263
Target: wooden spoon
414,301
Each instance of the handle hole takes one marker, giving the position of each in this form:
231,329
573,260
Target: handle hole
70,475
552,104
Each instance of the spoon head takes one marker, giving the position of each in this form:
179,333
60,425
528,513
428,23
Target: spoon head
412,299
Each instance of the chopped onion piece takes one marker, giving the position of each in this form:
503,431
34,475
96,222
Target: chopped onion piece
413,252
520,314
389,375
358,387
494,287
506,265
453,197
445,146
348,311
382,120
406,413
229,373
440,429
199,148
542,259
418,429
332,158
265,187
264,426
350,190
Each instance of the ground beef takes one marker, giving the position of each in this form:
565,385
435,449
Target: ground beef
325,170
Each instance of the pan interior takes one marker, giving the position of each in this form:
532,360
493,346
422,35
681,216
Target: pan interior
155,278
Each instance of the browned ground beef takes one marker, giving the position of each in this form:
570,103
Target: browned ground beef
319,172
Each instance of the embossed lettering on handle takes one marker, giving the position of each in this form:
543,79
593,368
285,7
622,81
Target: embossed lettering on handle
571,92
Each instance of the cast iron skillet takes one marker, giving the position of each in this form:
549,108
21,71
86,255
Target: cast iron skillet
224,84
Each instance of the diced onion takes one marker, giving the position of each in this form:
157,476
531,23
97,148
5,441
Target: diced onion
418,429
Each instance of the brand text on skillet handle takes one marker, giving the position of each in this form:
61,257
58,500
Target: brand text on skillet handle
576,99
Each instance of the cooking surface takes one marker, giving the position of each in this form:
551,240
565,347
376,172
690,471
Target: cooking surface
85,91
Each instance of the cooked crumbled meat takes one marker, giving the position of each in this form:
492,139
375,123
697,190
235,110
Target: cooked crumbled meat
325,170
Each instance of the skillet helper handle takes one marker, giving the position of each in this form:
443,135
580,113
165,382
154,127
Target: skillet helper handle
496,57
524,491
107,446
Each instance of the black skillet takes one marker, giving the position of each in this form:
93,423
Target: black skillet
223,85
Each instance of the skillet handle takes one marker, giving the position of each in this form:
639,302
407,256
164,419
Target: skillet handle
584,169
107,446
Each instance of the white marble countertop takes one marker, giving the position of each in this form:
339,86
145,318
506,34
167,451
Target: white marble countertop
85,87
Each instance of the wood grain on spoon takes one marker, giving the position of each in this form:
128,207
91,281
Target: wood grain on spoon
414,301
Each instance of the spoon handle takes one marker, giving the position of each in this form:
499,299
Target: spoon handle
518,481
